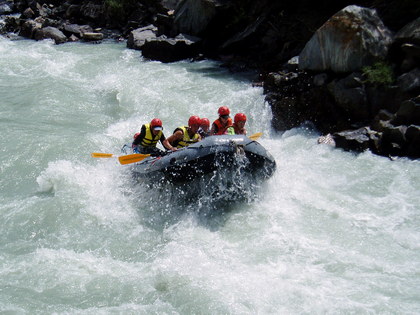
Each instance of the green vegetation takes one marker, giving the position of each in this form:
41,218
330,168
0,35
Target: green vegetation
380,73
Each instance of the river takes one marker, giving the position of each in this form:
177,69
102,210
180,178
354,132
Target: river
331,232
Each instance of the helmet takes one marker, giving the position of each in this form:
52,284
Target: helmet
240,117
156,122
205,122
194,120
223,111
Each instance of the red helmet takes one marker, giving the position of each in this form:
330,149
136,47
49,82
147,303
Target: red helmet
223,111
240,117
194,120
205,122
156,122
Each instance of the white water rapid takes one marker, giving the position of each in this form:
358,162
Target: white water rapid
331,232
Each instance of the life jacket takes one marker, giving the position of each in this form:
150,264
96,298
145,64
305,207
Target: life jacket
231,130
186,140
149,140
222,129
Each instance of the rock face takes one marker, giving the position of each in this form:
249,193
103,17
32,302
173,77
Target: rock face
351,39
193,16
375,108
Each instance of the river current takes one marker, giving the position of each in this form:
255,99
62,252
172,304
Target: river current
331,232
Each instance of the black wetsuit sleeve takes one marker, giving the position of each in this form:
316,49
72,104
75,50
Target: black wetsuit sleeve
141,136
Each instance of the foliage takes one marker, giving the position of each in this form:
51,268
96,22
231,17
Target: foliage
380,73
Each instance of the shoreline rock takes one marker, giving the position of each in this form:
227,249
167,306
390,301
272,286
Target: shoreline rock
351,69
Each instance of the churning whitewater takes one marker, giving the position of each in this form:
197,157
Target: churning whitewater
329,232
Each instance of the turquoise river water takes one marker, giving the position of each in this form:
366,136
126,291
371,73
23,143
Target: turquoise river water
330,233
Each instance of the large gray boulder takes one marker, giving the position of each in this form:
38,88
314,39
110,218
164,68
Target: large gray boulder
139,36
50,32
352,38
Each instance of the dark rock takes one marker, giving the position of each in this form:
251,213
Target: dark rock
28,13
193,16
76,29
381,119
408,113
170,4
413,141
164,24
51,22
50,32
393,140
354,37
409,33
350,95
410,82
93,12
11,24
356,140
92,36
411,58
73,11
247,32
383,97
320,79
28,28
6,7
405,50
171,49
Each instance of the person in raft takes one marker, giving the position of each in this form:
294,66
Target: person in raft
238,127
220,125
204,130
185,135
145,141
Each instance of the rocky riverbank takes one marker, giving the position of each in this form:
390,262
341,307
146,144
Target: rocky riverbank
353,71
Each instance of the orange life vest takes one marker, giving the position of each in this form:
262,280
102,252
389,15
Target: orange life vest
221,128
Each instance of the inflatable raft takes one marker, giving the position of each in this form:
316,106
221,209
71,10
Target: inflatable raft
209,156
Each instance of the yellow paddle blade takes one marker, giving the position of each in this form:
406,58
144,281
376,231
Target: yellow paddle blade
132,158
255,136
100,155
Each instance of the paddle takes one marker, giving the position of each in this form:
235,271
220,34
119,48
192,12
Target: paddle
255,136
124,159
132,158
101,155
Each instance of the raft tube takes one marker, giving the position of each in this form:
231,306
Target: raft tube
208,156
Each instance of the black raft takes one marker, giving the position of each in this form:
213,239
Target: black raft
212,155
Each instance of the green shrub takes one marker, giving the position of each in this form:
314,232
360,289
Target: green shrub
380,73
